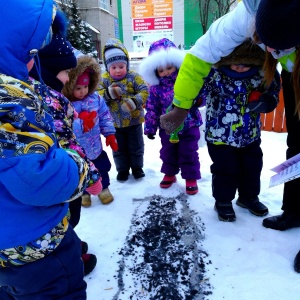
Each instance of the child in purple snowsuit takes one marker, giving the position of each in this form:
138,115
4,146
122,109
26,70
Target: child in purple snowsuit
160,71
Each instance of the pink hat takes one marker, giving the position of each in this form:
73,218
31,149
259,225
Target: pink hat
84,78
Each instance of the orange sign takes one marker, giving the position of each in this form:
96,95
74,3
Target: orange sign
154,8
143,2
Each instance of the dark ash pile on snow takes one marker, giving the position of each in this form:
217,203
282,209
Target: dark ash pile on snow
162,257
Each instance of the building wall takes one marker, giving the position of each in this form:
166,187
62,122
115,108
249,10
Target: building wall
117,21
192,27
104,20
129,36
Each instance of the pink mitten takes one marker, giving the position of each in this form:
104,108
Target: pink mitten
95,188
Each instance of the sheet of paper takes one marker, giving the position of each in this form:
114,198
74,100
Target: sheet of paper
290,172
286,163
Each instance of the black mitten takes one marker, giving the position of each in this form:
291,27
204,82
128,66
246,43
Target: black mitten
264,104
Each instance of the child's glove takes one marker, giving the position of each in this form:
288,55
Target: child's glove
261,103
112,142
129,104
172,120
113,92
151,136
89,120
198,102
95,188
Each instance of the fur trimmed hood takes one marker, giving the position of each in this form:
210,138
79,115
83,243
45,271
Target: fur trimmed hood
83,63
161,53
247,53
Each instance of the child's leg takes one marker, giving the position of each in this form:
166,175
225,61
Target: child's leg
136,150
225,171
57,276
102,163
188,157
75,209
121,157
251,165
251,158
168,155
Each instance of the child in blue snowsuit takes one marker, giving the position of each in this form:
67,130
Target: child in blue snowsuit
40,255
55,61
235,94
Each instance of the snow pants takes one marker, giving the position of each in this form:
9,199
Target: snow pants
181,156
130,152
291,189
58,276
235,169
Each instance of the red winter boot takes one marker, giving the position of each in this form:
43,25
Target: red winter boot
89,263
167,181
191,186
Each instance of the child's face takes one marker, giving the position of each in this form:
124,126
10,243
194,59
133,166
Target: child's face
63,76
80,91
240,68
118,70
163,72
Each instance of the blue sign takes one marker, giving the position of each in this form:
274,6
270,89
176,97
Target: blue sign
116,23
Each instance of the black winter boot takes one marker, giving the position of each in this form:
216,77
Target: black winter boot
122,175
282,222
225,212
254,206
138,173
297,263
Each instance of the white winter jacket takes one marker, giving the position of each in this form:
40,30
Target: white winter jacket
223,36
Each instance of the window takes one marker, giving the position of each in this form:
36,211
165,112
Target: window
105,4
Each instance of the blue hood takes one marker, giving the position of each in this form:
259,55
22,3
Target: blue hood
24,25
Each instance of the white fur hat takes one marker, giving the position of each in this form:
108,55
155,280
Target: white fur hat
161,53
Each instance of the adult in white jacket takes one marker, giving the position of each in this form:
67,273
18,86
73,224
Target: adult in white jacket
275,25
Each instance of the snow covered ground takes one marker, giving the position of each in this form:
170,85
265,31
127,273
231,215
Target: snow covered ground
244,260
